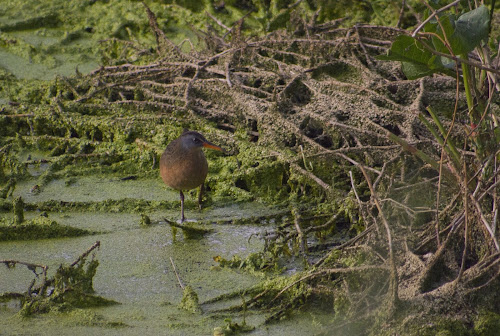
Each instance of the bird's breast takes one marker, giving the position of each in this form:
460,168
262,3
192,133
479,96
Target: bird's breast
183,170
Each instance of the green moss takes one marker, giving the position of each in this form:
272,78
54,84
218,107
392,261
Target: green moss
255,263
487,323
442,328
232,328
190,301
85,317
72,288
145,220
38,228
18,211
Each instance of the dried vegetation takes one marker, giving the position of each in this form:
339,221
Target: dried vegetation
342,131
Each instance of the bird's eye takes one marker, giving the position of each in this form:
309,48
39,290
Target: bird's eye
196,140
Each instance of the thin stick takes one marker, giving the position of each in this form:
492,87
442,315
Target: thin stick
176,274
392,262
330,271
466,233
360,204
300,235
484,221
495,204
86,253
420,26
30,266
218,21
401,12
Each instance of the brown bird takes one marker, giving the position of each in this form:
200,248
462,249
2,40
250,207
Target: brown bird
183,165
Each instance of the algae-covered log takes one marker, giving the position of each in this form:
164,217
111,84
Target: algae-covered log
70,287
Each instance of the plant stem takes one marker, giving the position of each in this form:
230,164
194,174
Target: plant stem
450,147
468,88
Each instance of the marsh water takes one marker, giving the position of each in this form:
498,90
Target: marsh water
135,267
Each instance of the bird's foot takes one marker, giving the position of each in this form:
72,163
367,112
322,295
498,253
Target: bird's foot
185,220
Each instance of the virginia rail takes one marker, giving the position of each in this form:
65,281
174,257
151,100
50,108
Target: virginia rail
183,165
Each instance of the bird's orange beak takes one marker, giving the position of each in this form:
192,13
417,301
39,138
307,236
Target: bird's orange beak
212,146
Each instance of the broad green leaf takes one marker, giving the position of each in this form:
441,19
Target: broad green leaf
470,29
447,63
446,22
415,70
417,60
406,48
463,34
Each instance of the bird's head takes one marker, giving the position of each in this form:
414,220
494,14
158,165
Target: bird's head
191,140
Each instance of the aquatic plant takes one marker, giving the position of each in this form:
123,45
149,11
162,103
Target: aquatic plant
69,288
315,124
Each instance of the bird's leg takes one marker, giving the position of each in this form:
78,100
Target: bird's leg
182,207
200,194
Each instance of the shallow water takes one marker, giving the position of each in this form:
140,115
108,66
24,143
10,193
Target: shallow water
91,189
48,56
135,267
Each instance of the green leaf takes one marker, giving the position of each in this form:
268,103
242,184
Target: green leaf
470,29
463,35
406,48
447,22
279,21
417,61
415,70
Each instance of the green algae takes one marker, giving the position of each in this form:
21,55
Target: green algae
135,271
487,323
190,300
145,220
111,206
255,263
114,141
18,211
84,317
37,228
232,328
72,288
